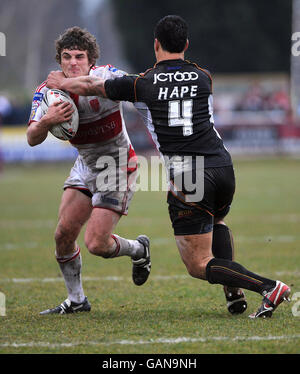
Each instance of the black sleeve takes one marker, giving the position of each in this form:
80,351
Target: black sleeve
121,89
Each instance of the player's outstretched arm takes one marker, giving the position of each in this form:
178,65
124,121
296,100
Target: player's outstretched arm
84,85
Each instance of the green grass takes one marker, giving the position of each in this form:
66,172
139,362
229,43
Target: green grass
265,220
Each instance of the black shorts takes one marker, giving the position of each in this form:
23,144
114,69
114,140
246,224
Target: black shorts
198,217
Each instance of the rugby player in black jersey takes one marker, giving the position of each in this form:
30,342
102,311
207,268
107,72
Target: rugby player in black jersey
175,100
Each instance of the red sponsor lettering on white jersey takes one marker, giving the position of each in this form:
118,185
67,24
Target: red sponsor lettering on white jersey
99,118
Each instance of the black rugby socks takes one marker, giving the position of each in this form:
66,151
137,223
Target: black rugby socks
222,243
232,274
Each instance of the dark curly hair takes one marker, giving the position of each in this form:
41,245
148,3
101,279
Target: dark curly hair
77,38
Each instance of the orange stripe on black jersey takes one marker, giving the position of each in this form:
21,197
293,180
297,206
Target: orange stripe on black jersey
204,70
135,82
177,194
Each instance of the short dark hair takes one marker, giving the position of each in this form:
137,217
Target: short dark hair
77,38
172,33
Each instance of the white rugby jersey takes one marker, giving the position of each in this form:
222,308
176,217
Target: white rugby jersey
100,119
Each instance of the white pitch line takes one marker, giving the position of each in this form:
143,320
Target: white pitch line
177,340
122,279
266,239
27,224
8,246
15,246
95,279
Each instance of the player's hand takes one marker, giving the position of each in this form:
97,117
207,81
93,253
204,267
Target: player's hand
55,79
59,112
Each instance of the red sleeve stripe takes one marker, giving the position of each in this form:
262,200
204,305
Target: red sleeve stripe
30,122
38,89
101,66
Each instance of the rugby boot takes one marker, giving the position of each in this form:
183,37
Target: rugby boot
141,268
68,307
236,301
271,300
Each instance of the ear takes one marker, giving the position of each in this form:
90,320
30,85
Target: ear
186,45
156,45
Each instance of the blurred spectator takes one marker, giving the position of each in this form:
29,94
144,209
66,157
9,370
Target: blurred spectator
258,99
280,100
253,99
5,108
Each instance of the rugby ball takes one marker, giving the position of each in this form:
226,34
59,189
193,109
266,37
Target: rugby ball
66,130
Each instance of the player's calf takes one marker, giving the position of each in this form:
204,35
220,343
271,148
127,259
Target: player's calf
101,246
65,238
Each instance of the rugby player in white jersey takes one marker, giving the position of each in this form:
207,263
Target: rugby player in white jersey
101,136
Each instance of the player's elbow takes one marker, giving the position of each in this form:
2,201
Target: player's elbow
32,140
31,143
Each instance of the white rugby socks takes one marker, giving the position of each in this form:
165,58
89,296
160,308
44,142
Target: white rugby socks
127,247
70,267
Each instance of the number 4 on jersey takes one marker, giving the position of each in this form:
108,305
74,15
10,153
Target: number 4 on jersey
181,114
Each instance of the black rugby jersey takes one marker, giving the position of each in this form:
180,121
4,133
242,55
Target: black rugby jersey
175,100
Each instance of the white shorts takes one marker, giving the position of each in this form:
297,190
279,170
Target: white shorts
110,181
